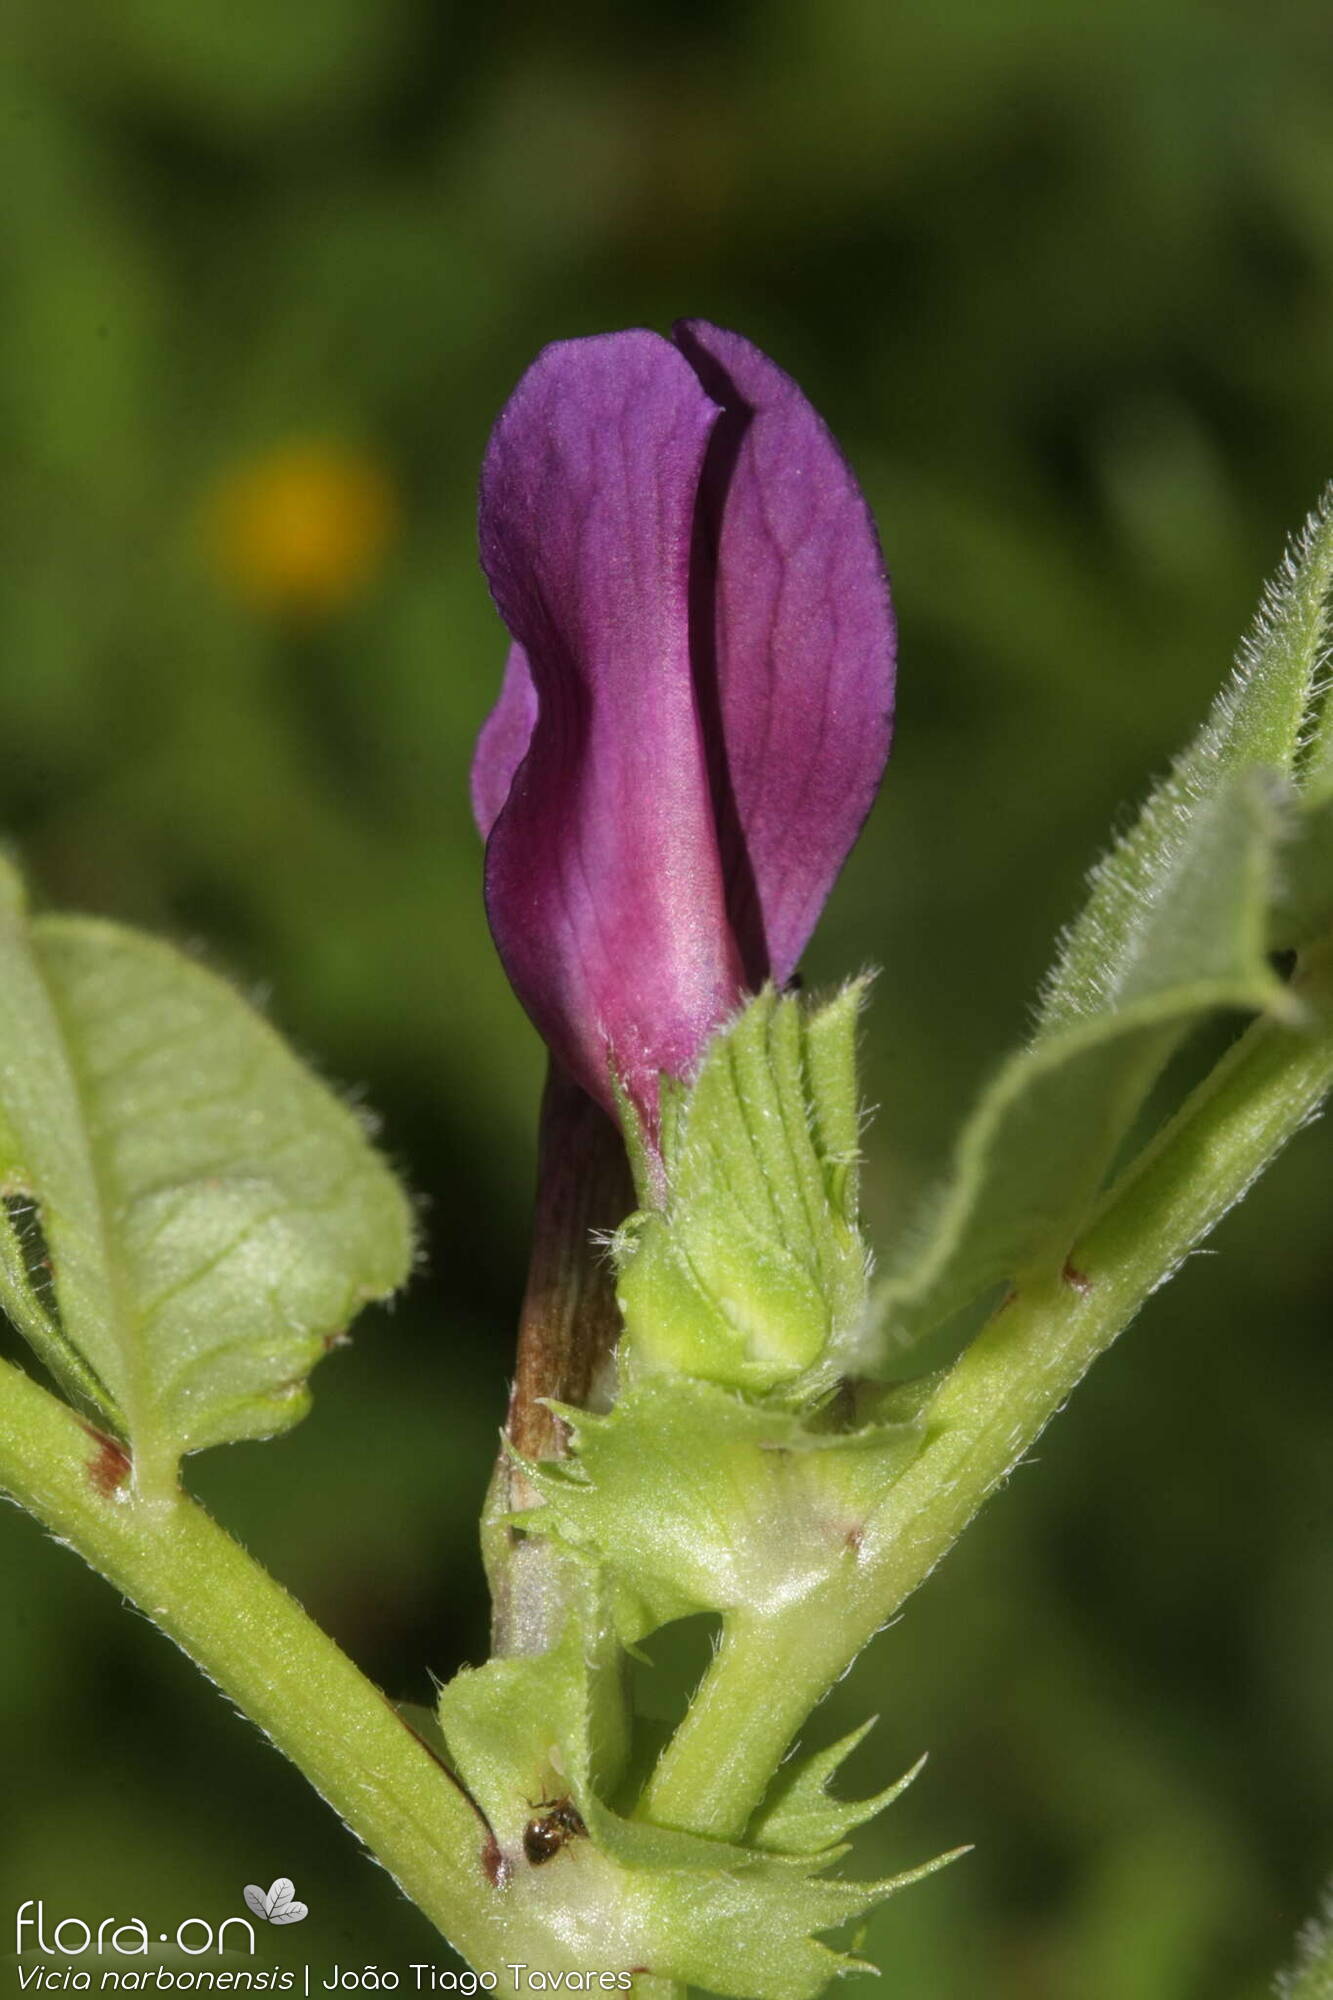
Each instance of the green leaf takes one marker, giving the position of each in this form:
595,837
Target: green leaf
752,1274
213,1214
1177,925
746,1506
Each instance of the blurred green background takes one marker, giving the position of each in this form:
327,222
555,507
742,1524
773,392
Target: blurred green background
1062,278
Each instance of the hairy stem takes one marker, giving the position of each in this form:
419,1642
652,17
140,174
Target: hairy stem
769,1673
254,1640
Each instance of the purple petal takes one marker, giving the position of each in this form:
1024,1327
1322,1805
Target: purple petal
799,673
603,878
503,742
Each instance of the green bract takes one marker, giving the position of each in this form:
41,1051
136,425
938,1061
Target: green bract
732,1918
694,1498
753,1274
212,1215
801,1816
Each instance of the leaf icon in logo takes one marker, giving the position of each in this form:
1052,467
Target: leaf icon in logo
276,1904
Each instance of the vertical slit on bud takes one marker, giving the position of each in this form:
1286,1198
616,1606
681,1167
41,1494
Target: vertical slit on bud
744,908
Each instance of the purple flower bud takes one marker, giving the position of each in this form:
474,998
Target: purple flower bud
696,711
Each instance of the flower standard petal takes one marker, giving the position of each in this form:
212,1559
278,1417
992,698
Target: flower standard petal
603,876
795,648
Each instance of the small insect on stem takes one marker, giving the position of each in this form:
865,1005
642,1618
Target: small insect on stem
558,1821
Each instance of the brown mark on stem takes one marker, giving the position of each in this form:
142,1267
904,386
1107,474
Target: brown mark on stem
110,1467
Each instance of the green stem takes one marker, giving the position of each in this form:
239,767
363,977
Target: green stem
768,1674
266,1655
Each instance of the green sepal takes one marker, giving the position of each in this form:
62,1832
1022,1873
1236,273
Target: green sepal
752,1272
644,1161
799,1816
747,1504
213,1215
728,1918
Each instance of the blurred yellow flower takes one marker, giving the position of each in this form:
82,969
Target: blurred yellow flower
301,529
